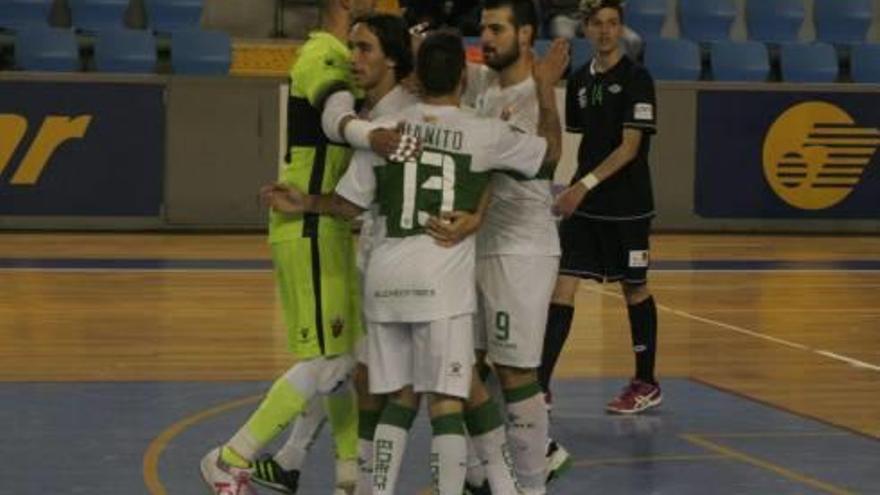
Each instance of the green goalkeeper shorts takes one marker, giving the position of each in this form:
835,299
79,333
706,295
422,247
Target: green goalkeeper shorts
320,294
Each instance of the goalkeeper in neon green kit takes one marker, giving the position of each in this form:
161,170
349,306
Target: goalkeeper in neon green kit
314,265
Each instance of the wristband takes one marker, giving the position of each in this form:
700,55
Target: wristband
590,181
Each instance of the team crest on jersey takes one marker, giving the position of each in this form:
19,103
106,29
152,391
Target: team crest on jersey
429,118
582,97
615,89
336,327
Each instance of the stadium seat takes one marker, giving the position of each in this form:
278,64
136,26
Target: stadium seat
125,50
165,16
774,21
865,60
842,21
581,52
17,14
706,20
46,49
645,17
809,62
739,61
670,59
200,52
94,15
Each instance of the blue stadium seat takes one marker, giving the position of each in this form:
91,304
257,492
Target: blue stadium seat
842,21
94,15
46,49
740,61
645,17
774,21
581,52
165,16
706,20
200,52
125,50
809,62
17,14
669,59
865,60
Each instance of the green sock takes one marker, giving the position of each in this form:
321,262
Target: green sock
343,415
279,407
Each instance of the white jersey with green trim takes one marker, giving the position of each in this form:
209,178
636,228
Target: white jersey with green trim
409,277
394,101
520,219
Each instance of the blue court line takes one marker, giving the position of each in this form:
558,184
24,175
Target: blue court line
265,264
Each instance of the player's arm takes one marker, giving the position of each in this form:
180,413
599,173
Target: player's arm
640,120
340,124
323,74
451,228
547,72
289,200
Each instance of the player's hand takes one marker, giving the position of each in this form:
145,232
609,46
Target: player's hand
548,70
569,199
394,145
453,227
284,198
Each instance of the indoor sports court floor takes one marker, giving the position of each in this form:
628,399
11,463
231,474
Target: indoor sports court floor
123,358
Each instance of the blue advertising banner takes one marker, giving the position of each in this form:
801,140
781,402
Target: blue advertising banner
787,155
75,148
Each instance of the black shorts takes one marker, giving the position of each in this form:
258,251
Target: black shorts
605,250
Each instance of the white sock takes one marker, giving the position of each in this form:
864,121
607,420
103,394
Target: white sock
389,445
491,447
476,472
448,454
305,430
365,467
528,428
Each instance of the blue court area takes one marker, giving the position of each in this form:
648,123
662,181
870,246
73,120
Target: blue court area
115,438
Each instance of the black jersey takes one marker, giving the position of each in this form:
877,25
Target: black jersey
599,106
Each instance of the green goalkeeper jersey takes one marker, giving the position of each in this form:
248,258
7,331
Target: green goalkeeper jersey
313,163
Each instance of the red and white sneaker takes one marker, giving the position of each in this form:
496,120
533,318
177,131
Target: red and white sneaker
224,479
636,397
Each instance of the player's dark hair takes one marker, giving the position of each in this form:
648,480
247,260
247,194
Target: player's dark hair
590,7
394,38
440,62
524,13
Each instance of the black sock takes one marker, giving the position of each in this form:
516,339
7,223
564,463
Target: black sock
643,328
558,325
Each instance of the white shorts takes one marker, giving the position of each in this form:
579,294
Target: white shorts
320,375
514,296
433,357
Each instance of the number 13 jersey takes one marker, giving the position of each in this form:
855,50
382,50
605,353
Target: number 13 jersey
409,277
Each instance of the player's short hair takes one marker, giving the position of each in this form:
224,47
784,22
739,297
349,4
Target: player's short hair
524,13
440,62
589,8
394,38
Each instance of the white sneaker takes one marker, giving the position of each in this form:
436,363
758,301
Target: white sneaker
224,479
346,477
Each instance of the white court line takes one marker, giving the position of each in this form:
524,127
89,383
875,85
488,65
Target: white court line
787,343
